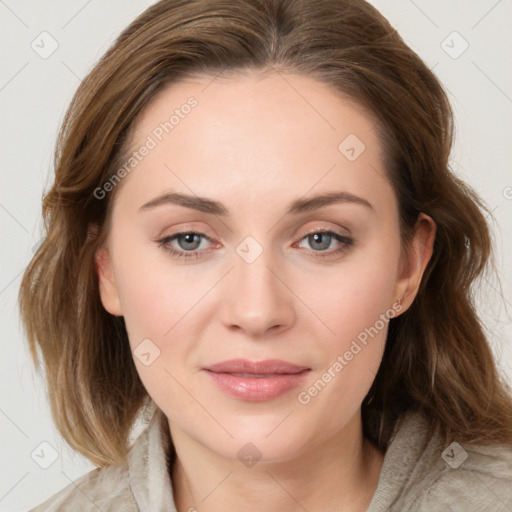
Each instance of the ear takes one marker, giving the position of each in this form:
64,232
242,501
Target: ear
107,285
415,260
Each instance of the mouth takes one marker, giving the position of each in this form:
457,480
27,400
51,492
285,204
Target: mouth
256,381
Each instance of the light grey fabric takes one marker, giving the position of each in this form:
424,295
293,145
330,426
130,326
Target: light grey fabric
414,477
140,484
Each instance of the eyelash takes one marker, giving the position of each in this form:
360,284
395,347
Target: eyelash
346,242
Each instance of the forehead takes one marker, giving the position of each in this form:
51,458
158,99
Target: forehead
256,134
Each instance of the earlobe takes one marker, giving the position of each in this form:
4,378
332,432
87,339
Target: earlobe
418,256
106,282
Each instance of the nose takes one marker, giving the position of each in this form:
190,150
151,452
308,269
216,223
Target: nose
256,299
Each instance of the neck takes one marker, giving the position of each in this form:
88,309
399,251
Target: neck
340,474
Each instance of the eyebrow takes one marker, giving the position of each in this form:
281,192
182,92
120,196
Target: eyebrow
205,205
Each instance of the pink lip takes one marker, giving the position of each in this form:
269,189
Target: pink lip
256,381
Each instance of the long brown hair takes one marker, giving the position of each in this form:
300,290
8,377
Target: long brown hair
437,359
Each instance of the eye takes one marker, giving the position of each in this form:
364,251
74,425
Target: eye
322,239
189,241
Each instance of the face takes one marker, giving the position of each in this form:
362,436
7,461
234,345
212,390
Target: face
265,274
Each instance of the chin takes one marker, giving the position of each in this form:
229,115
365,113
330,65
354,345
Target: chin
272,438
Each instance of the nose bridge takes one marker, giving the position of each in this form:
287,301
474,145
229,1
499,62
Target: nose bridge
258,300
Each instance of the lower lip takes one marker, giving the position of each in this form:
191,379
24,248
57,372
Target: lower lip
257,389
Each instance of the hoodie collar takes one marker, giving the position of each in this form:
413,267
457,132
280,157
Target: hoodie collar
149,464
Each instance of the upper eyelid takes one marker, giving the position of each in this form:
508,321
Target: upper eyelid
314,229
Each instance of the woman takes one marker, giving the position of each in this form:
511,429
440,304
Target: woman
255,242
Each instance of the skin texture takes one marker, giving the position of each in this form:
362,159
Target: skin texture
256,143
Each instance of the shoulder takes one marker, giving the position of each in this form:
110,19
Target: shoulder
460,477
141,482
106,489
474,477
421,474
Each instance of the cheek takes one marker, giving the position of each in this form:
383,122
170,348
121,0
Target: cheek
351,297
356,304
164,317
154,293
159,317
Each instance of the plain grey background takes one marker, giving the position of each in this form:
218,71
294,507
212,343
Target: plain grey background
468,44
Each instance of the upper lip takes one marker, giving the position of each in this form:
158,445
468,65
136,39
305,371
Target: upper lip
271,366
